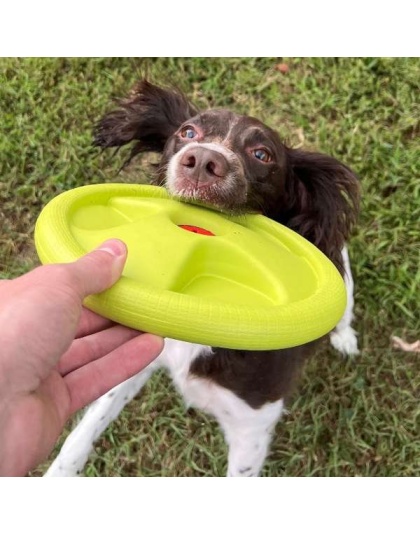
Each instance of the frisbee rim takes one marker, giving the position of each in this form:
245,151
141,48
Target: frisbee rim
191,318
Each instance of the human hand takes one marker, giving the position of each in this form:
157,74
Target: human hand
55,356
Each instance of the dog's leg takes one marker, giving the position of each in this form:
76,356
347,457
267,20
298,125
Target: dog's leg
248,436
247,430
344,338
79,444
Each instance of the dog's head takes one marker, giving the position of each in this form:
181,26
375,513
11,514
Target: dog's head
236,163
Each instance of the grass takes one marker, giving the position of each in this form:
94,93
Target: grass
348,418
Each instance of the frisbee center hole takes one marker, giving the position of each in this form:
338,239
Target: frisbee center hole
196,229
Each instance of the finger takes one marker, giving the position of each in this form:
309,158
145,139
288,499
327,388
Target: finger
90,323
90,348
100,269
96,378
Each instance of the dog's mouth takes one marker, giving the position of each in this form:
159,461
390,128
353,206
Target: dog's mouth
216,195
229,196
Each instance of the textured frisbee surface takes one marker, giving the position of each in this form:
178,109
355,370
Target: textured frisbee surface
194,274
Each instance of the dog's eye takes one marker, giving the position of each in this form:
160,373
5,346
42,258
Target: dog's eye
262,154
188,132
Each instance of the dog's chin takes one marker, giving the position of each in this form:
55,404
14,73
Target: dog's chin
216,195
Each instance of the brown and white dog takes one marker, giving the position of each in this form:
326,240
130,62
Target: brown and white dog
238,165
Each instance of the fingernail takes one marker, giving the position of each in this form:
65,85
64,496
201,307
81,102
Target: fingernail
115,247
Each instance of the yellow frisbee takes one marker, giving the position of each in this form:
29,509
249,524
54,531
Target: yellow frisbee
194,274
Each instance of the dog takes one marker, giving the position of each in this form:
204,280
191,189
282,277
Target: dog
235,164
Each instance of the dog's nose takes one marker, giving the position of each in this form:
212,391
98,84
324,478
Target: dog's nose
201,164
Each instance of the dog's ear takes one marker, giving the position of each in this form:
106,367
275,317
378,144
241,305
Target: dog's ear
148,115
323,201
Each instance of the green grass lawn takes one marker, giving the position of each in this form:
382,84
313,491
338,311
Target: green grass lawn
347,418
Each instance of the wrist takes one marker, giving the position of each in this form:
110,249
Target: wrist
19,442
5,468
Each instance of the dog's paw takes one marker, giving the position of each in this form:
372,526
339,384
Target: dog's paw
345,341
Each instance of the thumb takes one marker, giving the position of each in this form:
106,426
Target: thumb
100,269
